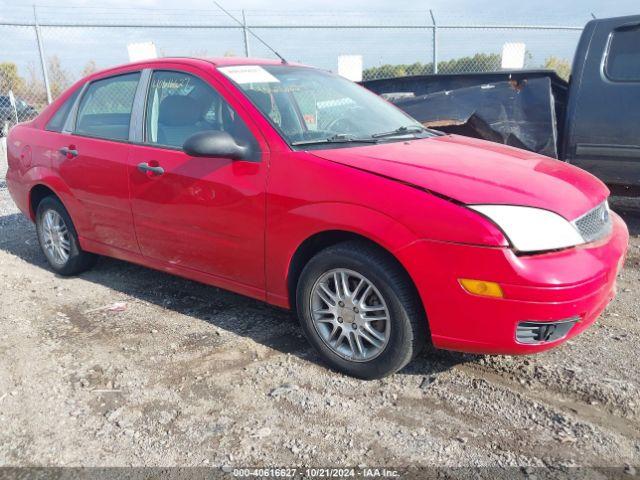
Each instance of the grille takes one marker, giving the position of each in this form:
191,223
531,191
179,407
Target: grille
594,224
540,332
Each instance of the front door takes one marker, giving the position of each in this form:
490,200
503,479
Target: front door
203,214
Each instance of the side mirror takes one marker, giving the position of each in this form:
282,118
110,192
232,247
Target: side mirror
215,144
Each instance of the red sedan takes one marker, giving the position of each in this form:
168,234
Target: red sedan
297,187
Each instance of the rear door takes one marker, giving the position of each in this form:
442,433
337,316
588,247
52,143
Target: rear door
92,158
604,115
204,214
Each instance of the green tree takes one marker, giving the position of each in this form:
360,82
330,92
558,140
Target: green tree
89,68
35,92
59,78
10,79
480,62
400,70
560,65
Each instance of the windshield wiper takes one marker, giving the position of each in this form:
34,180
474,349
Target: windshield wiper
400,131
339,138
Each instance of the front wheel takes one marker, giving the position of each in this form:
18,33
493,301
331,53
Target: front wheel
359,309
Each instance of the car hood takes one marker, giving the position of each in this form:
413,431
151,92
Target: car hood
475,171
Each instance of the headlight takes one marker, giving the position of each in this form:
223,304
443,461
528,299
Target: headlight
532,229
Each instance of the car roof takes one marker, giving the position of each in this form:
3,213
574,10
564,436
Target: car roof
218,62
228,61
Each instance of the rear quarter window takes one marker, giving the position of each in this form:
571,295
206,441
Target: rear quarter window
56,123
623,56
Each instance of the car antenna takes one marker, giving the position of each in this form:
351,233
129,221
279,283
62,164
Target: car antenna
251,32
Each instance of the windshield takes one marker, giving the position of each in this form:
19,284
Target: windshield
313,107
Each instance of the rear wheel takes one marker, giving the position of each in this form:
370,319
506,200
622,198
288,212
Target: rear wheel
359,309
59,240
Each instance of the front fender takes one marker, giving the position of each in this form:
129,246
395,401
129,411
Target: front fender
354,218
286,233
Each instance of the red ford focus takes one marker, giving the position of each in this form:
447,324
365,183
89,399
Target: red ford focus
297,187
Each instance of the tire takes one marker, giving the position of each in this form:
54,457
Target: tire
392,295
73,260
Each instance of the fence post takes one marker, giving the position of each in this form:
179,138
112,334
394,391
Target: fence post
434,31
41,52
246,35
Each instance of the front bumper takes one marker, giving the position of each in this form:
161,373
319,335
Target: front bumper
551,287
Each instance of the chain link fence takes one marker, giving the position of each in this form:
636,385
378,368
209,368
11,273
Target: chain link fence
40,60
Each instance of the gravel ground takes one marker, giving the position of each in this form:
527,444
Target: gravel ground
128,366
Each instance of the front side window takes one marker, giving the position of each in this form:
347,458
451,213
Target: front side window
105,108
623,59
180,105
309,106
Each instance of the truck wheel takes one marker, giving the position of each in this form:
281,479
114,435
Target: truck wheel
360,310
59,240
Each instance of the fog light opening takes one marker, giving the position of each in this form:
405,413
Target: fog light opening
534,333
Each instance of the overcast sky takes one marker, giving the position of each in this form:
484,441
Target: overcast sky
533,11
318,46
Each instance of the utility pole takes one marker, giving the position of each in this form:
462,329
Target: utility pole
43,62
245,33
434,31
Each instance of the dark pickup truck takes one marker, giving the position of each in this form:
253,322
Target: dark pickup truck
592,121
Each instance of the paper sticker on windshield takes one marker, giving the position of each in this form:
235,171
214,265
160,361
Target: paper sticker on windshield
242,74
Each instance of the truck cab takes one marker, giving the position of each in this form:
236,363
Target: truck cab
602,124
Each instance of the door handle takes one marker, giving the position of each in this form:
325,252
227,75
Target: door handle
145,167
68,152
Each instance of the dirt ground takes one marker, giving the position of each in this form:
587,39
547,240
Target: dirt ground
128,366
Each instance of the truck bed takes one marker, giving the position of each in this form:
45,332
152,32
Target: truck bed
522,108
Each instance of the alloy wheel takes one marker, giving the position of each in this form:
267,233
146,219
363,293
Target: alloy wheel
56,240
350,315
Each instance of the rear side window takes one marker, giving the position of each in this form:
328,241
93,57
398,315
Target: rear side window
56,124
105,108
623,59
